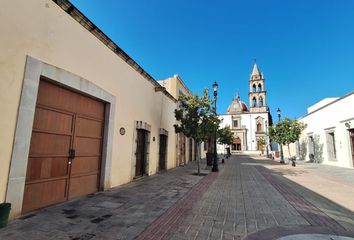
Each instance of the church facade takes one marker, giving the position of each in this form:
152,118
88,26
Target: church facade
249,124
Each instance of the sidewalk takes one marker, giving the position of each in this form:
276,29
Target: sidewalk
334,183
249,198
122,213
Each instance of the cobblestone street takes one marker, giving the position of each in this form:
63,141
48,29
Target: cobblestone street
176,120
245,199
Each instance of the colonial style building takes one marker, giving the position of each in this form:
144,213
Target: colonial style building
185,147
249,123
79,115
329,135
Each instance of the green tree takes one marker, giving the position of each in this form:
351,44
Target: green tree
261,142
209,126
196,118
286,131
225,136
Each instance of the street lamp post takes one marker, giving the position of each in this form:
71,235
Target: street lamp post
281,146
222,126
215,162
267,142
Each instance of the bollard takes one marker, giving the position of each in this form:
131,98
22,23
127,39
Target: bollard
293,159
4,214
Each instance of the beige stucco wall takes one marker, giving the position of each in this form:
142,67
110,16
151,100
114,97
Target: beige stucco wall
175,86
41,29
180,87
171,85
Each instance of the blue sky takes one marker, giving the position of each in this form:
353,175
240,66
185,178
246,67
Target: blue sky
305,48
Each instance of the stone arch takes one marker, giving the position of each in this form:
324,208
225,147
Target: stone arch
254,102
260,101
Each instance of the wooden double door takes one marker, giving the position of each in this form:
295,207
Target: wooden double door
141,152
66,147
162,152
182,149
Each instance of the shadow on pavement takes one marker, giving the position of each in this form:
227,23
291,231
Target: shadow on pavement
322,213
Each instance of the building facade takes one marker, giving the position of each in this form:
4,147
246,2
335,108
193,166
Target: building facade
329,135
79,115
185,147
249,124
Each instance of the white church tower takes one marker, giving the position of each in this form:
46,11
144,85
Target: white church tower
249,124
257,93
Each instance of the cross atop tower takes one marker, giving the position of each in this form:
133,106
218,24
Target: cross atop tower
256,73
237,95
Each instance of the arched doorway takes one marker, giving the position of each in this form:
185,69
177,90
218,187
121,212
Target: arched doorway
236,146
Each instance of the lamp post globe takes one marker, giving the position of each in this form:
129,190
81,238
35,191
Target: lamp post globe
281,146
215,88
267,139
215,167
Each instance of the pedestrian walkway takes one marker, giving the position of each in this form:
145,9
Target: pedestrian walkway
334,183
120,214
249,198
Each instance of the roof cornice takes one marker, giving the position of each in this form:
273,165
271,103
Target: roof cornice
326,105
77,15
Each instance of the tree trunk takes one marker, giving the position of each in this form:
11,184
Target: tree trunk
289,150
210,152
198,157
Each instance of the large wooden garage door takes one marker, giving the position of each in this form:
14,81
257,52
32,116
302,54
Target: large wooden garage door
66,147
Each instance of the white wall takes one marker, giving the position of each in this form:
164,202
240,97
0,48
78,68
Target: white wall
249,121
331,118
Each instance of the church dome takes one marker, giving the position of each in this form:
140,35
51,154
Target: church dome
237,106
244,107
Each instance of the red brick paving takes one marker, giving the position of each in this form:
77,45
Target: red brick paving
167,224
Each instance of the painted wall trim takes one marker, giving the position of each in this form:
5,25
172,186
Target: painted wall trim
33,71
78,16
147,127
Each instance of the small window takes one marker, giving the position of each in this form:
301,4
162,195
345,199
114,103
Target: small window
259,127
235,123
254,88
259,87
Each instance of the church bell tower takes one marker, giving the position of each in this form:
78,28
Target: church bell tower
257,94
